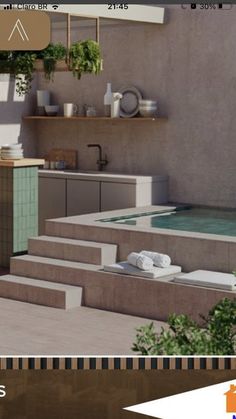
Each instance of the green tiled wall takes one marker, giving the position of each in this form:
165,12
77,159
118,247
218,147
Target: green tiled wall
18,210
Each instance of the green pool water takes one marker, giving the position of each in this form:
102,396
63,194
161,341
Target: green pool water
211,221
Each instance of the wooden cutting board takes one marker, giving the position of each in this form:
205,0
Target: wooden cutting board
69,156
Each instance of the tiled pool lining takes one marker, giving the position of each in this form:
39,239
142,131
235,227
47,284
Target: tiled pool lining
190,250
185,218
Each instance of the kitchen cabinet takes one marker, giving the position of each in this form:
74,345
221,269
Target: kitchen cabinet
68,193
83,197
52,200
117,196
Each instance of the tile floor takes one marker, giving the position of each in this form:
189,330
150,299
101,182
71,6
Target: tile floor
28,329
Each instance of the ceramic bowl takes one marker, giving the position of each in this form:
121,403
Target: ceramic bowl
51,110
144,102
147,108
147,113
11,147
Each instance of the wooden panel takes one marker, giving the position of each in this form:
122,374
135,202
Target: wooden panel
98,364
94,118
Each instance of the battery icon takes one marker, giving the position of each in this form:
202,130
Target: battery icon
225,6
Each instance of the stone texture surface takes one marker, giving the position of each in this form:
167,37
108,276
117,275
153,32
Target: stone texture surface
193,82
29,329
40,292
154,299
190,250
74,250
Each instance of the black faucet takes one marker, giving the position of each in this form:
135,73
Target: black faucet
101,162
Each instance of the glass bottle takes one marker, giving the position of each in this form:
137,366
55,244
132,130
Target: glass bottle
108,100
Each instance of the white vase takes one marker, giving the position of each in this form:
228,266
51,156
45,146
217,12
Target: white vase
43,97
115,105
108,100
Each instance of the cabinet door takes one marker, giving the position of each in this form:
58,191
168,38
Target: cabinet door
83,197
52,200
117,196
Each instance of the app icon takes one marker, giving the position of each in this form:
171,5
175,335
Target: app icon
231,399
22,30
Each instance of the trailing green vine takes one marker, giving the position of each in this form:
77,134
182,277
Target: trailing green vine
50,56
84,57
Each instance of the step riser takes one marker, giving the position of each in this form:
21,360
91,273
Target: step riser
86,254
40,296
128,295
191,252
73,231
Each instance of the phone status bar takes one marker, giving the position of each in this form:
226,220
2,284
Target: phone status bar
49,5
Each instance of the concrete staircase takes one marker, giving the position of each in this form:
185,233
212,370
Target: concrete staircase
73,250
49,274
62,269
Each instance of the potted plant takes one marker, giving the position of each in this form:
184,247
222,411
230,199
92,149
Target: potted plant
51,59
20,64
85,57
23,68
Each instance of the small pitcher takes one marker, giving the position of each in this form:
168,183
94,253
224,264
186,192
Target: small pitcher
115,104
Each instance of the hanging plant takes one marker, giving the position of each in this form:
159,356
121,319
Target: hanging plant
23,68
85,57
50,56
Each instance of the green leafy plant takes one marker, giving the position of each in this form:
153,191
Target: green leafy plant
21,65
50,56
217,336
85,57
23,68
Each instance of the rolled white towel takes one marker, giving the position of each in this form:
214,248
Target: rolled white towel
140,261
160,260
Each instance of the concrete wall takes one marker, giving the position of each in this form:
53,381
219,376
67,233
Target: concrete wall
12,108
188,65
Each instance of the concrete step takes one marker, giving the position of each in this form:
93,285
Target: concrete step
137,296
40,292
50,269
73,250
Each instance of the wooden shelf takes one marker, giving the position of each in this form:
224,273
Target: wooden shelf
89,118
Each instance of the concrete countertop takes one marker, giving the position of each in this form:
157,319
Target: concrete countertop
21,163
101,176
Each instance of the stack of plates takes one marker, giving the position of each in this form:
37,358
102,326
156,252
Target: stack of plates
12,152
147,108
